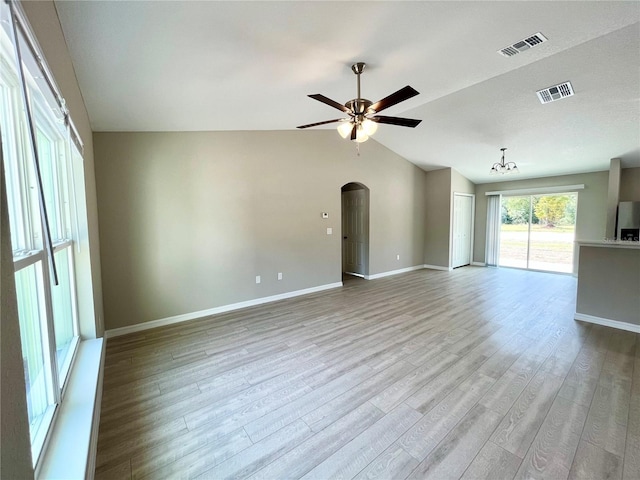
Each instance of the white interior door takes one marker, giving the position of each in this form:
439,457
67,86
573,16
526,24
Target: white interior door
462,233
354,231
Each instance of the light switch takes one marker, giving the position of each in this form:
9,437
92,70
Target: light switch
257,278
329,231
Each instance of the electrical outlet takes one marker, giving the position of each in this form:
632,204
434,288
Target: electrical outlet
329,231
257,278
279,275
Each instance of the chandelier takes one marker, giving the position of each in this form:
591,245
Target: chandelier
502,168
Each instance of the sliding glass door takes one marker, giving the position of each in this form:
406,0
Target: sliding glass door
538,232
514,232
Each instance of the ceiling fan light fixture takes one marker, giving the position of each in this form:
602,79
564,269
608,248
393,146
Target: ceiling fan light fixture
361,135
344,129
369,126
364,114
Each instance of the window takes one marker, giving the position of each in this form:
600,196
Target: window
35,185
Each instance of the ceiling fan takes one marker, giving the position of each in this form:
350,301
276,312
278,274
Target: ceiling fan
363,114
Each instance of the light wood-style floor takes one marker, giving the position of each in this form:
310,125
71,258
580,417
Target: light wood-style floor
477,374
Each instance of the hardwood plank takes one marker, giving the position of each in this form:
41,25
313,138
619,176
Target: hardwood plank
594,463
120,471
349,460
260,454
555,445
438,343
598,338
582,380
125,396
188,399
618,365
310,453
343,404
561,361
393,463
390,397
116,451
606,425
252,404
633,425
295,409
631,469
429,431
491,463
428,396
131,409
188,455
503,359
501,397
519,426
622,342
458,449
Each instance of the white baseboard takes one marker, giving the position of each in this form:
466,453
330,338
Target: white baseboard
115,332
630,327
478,264
438,267
394,272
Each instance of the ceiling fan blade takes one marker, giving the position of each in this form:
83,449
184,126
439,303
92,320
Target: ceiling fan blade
331,103
354,131
320,123
400,96
403,122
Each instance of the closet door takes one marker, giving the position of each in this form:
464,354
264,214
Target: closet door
462,230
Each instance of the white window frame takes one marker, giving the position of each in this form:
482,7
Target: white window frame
31,251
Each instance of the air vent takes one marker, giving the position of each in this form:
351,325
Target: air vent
522,45
556,92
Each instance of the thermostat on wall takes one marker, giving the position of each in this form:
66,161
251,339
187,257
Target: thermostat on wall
325,215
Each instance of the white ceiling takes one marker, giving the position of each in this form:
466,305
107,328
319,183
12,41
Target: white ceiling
176,66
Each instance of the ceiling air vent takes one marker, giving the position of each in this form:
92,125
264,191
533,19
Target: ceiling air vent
522,45
556,92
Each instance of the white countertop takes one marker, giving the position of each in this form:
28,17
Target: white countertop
608,244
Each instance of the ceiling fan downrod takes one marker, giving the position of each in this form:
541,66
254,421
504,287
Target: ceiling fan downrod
358,105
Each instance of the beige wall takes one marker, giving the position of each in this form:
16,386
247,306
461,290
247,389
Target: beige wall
187,220
437,220
440,185
630,185
592,205
608,283
461,184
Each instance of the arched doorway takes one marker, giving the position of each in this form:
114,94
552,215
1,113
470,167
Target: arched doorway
355,229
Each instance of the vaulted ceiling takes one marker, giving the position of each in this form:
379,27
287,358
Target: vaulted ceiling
239,65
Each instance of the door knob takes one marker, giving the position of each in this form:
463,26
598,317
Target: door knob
344,238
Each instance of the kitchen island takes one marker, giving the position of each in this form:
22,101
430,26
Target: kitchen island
609,284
